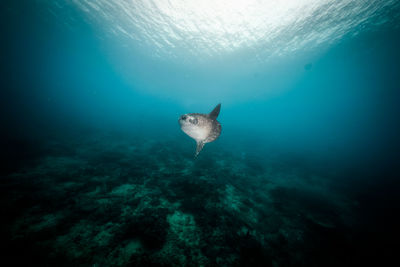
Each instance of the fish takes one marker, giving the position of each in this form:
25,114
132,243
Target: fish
203,128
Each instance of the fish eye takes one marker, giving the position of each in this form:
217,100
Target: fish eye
194,121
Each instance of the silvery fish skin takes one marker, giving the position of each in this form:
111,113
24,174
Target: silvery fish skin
204,128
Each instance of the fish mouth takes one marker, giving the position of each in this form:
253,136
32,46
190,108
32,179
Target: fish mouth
182,118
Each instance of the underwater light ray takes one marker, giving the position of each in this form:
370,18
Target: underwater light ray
172,28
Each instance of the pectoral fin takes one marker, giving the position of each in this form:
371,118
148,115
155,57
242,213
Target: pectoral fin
200,145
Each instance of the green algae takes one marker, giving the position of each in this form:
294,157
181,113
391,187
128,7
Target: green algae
131,208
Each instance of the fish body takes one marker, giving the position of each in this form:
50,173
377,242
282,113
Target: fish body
203,128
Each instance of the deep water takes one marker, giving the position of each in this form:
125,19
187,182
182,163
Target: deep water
96,171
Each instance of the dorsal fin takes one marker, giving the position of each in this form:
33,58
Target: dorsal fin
215,112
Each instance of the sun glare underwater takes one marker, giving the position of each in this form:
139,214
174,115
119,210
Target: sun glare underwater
300,164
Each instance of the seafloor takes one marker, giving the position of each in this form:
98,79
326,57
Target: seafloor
123,200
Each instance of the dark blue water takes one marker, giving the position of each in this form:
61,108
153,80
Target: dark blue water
97,172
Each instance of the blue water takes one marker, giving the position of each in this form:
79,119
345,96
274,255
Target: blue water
97,171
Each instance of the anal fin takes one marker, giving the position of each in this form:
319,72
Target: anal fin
200,145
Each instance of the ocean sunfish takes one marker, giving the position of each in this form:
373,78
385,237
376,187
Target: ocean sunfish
204,128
